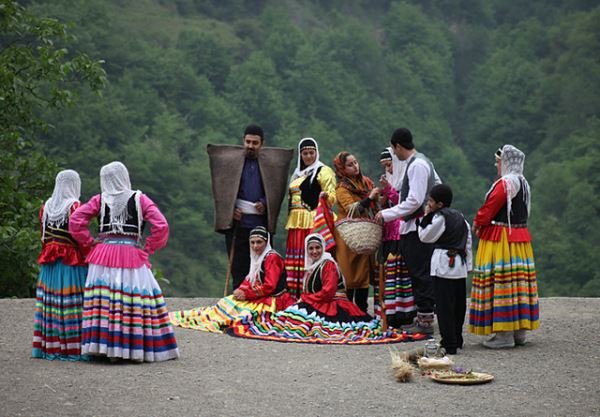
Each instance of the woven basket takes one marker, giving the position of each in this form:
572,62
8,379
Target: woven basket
362,235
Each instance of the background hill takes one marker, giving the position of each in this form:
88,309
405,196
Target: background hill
466,77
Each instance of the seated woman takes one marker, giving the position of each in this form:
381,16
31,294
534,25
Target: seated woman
323,314
263,289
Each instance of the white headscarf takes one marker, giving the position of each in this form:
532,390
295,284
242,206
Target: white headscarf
310,170
116,192
67,190
512,164
309,264
398,171
257,260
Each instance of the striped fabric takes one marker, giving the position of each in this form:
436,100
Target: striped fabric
58,310
218,317
125,316
300,323
324,224
398,295
294,260
504,295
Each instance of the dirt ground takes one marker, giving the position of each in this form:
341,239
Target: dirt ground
558,373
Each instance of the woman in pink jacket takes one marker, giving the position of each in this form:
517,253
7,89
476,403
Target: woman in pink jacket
124,312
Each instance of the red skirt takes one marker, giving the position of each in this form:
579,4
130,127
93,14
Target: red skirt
294,260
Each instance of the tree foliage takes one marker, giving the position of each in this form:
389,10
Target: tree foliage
36,71
466,79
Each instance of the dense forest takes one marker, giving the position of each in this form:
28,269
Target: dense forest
466,76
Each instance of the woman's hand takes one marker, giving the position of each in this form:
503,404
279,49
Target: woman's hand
374,194
476,229
239,295
323,195
384,182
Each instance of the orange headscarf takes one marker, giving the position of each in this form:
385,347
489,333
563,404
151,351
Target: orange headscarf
360,186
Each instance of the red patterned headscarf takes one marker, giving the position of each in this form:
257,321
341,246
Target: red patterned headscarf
360,185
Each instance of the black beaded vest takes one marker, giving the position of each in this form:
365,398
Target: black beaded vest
281,283
314,282
131,227
518,212
310,191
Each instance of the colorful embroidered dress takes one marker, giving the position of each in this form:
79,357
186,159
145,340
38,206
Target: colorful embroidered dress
304,189
125,315
504,294
266,293
398,296
59,293
323,315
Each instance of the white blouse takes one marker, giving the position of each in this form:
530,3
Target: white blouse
439,260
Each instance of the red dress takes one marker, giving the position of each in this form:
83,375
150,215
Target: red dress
269,285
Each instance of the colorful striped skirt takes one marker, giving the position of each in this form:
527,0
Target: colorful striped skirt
220,316
125,316
504,294
294,260
398,295
302,323
58,311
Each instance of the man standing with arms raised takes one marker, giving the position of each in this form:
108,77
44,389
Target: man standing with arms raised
248,184
419,179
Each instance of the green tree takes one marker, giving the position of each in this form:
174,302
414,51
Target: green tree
35,72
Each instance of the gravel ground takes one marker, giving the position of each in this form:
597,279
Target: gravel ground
558,373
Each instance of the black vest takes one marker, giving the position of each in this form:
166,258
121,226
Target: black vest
405,187
281,283
59,234
310,191
518,212
314,282
457,232
130,228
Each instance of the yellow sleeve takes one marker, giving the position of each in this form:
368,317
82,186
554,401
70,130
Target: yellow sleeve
344,198
327,182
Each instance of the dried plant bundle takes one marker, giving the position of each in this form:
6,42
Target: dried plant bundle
402,369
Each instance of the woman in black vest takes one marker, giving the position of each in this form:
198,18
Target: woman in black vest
323,314
263,289
124,315
59,293
310,181
504,297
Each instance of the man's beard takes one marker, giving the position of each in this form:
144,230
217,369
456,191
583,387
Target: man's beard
252,154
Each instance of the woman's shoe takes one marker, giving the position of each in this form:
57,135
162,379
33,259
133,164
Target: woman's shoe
520,337
501,340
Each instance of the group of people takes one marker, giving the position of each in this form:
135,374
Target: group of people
97,296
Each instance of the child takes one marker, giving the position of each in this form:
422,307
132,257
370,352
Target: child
59,293
451,260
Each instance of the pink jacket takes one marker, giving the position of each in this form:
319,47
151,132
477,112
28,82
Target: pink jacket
119,256
391,230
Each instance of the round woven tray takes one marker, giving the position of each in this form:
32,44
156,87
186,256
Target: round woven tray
471,378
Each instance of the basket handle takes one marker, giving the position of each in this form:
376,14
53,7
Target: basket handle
354,208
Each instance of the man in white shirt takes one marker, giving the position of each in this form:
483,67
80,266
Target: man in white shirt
419,179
